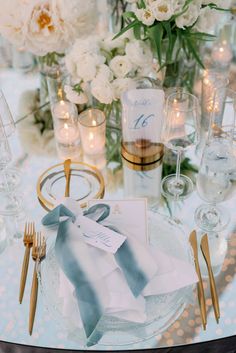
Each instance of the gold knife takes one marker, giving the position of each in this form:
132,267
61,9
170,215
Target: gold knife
200,290
214,296
67,164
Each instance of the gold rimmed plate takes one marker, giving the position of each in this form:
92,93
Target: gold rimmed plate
86,183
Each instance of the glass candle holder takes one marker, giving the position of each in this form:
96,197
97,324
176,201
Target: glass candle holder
65,121
55,85
212,79
92,126
222,54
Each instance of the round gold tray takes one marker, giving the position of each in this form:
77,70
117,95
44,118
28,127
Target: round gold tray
86,183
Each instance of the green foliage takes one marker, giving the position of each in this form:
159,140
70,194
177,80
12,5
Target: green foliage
50,59
185,40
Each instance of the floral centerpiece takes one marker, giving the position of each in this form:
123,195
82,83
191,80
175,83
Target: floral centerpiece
45,28
175,28
102,69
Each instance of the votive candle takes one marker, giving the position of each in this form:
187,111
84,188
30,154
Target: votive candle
92,126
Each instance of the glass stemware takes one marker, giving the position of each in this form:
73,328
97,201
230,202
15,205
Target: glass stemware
10,204
6,116
180,131
218,162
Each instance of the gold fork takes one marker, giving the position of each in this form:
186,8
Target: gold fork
38,253
28,242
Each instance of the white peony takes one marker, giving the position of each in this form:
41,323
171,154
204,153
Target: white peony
139,53
120,85
146,16
75,97
162,9
189,17
178,6
121,65
102,90
44,26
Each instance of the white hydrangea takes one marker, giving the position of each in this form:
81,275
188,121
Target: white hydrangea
146,16
44,26
139,53
121,65
162,9
102,90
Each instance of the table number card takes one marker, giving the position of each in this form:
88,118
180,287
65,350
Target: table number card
142,114
130,215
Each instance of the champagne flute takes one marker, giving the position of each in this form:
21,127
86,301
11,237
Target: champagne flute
180,132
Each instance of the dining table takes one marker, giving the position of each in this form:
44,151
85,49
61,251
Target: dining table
183,334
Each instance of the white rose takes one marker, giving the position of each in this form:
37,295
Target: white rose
162,9
121,85
139,53
104,72
145,16
120,65
102,90
75,97
189,17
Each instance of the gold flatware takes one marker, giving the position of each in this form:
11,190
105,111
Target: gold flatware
28,242
214,296
38,253
67,170
200,290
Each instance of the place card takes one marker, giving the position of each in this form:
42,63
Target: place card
129,215
99,236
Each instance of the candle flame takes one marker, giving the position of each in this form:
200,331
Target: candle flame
94,122
66,126
91,136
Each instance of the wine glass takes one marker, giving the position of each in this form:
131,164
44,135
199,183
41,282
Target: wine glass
218,162
8,124
180,131
10,204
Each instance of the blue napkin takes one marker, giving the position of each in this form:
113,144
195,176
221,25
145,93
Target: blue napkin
79,263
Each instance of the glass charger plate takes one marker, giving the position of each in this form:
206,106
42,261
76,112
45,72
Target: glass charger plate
162,310
86,183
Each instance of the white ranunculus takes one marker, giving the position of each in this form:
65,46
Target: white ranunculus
206,20
44,26
145,16
104,72
139,53
102,90
162,9
178,6
75,97
121,85
120,65
189,17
